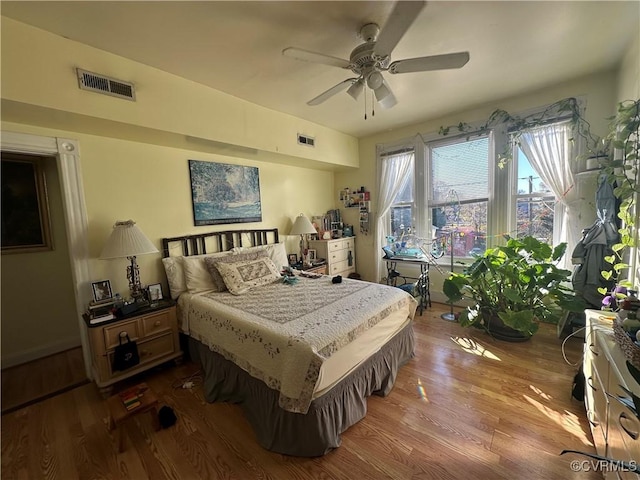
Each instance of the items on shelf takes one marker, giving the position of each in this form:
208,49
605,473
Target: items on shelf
362,201
331,226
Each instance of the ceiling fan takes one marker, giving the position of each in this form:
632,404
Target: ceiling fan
373,57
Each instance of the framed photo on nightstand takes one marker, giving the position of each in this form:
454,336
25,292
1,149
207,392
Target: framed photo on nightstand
293,258
155,292
312,254
101,290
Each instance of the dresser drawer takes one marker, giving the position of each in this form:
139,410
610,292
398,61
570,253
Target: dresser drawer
156,323
335,246
338,256
112,334
150,350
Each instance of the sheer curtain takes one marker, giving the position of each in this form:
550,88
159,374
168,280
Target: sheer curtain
550,152
394,170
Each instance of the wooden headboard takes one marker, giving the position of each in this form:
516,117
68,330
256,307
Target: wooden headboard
212,242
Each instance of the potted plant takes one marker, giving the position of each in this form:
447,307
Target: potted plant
513,287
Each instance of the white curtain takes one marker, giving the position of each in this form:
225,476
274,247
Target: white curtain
550,152
394,170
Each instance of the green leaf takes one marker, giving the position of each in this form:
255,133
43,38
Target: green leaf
610,258
602,290
606,274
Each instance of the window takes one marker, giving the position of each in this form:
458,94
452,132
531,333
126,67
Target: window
402,210
459,194
456,195
534,201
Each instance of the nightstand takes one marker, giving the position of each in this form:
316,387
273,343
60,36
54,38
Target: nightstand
155,330
321,269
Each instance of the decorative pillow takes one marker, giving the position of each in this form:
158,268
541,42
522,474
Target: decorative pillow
212,265
276,251
240,277
196,275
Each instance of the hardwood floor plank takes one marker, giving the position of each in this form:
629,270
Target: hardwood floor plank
466,407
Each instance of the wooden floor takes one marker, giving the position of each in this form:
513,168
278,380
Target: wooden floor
34,381
466,407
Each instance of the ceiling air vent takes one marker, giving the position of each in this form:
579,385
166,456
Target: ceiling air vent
304,140
103,84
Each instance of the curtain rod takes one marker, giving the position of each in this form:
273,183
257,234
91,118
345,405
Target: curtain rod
541,123
397,152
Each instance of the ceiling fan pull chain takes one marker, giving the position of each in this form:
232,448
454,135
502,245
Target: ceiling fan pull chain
365,103
373,105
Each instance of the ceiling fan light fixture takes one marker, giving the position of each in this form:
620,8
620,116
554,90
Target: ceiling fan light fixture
385,96
356,89
375,81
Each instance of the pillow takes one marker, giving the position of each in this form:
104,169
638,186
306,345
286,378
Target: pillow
276,251
174,267
212,265
240,277
175,276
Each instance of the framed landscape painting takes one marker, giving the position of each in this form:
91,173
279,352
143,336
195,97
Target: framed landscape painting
224,193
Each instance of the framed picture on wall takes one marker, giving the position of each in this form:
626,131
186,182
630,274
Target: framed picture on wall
26,226
224,193
101,290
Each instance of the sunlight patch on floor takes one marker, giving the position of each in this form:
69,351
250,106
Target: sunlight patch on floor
471,346
422,391
567,420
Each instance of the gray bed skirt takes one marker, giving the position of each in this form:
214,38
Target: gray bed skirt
318,431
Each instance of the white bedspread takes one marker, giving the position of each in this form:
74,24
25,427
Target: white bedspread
282,334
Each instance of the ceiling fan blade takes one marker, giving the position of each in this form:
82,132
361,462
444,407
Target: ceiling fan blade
433,62
331,92
314,57
385,96
401,18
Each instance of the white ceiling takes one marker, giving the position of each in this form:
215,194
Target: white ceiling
235,47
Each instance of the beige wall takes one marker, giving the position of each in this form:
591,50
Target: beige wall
150,184
38,70
629,74
599,92
38,305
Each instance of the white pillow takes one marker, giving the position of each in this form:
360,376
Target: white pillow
175,275
240,277
174,267
276,251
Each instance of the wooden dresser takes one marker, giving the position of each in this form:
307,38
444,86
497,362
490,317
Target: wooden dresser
155,331
340,254
615,427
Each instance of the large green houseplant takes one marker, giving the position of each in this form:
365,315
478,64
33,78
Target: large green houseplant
514,287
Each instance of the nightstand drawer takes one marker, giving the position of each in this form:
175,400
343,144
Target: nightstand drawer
153,324
112,334
149,350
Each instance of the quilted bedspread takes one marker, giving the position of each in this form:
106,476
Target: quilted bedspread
281,334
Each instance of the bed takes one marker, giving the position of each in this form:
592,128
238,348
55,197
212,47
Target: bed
300,357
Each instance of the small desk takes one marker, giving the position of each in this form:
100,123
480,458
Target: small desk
422,281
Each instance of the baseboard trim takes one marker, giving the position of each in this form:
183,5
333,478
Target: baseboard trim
15,359
46,396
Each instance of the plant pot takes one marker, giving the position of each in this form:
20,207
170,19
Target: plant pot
498,330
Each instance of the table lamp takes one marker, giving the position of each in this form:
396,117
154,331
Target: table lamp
302,226
127,240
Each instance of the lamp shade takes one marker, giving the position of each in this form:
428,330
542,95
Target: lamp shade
127,240
302,226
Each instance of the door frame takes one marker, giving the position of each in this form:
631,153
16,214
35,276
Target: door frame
67,154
